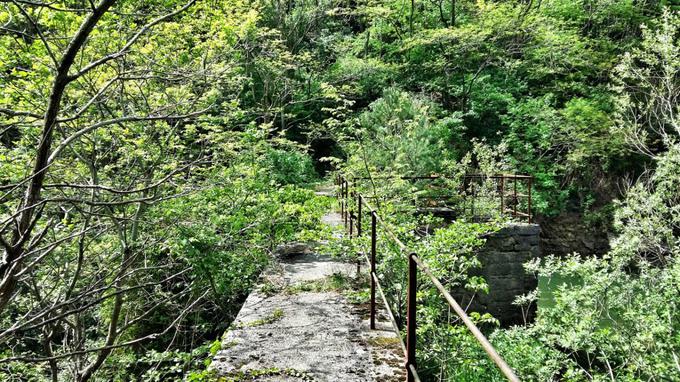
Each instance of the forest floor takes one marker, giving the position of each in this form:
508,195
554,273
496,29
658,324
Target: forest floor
300,325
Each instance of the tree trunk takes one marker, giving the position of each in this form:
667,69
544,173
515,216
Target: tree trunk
29,205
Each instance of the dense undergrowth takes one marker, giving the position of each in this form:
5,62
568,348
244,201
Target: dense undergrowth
153,153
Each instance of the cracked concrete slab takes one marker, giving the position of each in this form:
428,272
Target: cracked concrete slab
307,336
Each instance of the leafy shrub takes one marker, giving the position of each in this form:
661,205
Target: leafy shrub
291,167
404,134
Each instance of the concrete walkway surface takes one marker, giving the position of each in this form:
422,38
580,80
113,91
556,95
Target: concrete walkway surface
291,328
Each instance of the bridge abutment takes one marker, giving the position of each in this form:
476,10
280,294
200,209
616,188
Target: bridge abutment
503,258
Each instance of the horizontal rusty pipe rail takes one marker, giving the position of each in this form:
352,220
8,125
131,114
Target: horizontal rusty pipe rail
513,198
415,263
390,314
425,177
486,345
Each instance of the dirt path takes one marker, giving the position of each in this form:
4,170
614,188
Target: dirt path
293,328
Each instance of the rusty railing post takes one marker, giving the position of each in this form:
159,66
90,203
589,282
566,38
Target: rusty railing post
411,317
502,195
359,203
374,239
529,199
342,198
342,192
474,199
515,200
360,200
351,223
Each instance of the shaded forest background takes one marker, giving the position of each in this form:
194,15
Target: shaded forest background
154,153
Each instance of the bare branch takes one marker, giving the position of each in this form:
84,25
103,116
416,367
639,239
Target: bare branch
26,325
50,6
19,113
90,101
127,192
130,42
132,118
180,317
40,34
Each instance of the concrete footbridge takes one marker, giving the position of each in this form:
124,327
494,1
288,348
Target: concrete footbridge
308,321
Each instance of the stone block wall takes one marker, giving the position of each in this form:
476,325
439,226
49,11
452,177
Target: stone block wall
567,233
502,259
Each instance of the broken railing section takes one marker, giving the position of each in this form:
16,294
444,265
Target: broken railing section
414,265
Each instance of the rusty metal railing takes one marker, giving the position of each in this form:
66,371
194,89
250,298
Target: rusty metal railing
512,191
414,265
